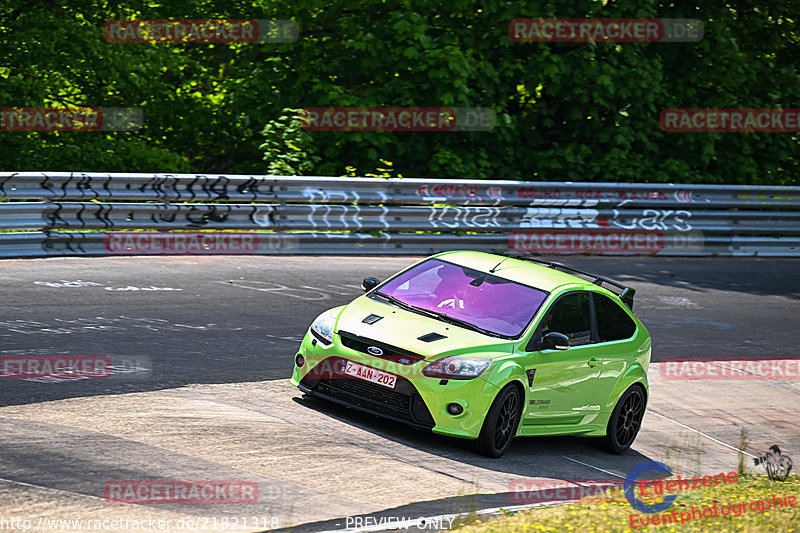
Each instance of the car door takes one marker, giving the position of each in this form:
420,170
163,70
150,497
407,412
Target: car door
561,382
616,346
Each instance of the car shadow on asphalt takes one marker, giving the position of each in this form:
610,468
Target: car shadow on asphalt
524,476
578,458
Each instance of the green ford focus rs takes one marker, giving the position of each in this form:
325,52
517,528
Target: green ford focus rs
486,347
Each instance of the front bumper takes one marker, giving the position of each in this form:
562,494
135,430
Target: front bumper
416,400
402,404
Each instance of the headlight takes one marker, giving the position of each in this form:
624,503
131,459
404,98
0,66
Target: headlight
456,368
322,327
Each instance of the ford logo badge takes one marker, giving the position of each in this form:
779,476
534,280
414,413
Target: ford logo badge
374,350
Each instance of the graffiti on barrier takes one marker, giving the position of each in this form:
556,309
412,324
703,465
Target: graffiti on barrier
440,193
471,217
653,220
587,194
543,217
344,216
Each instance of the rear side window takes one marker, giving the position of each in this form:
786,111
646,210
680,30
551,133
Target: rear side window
570,315
613,323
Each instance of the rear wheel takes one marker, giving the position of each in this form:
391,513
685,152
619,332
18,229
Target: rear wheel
625,421
500,424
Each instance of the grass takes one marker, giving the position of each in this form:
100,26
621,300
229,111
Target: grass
611,513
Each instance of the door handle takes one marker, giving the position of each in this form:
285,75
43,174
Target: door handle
593,362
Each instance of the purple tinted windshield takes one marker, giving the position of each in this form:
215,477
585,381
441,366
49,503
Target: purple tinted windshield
484,300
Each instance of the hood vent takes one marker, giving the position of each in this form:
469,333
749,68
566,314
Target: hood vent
371,319
430,337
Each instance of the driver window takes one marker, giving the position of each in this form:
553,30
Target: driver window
570,315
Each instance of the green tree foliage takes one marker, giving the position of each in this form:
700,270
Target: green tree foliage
566,111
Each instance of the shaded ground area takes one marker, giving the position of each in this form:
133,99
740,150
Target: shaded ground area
319,463
233,319
216,336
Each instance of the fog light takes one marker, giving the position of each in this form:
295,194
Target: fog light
299,360
455,409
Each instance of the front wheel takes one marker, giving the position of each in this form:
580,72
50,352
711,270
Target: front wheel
625,421
500,424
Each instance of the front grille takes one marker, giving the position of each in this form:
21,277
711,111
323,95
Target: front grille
367,395
390,353
402,403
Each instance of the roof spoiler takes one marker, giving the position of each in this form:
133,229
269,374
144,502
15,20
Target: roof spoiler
626,294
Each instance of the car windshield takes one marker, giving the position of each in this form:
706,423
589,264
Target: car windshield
492,303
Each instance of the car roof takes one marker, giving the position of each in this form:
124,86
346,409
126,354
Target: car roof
525,272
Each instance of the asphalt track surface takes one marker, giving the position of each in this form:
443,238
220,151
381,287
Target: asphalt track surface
213,339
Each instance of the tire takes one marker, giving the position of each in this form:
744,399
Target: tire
625,421
500,424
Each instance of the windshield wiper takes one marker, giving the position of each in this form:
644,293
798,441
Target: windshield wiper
437,315
400,303
464,324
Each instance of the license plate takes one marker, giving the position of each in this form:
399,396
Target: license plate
370,374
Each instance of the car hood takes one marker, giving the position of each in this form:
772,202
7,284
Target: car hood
403,329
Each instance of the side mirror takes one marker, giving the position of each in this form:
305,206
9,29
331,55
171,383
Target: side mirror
555,341
370,283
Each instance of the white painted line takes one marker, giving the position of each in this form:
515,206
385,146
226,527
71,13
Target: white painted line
592,466
52,488
701,433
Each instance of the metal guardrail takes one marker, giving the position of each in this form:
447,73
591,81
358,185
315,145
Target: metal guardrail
289,217
276,214
326,190
152,243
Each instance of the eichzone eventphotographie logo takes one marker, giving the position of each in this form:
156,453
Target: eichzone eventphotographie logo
666,487
659,513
